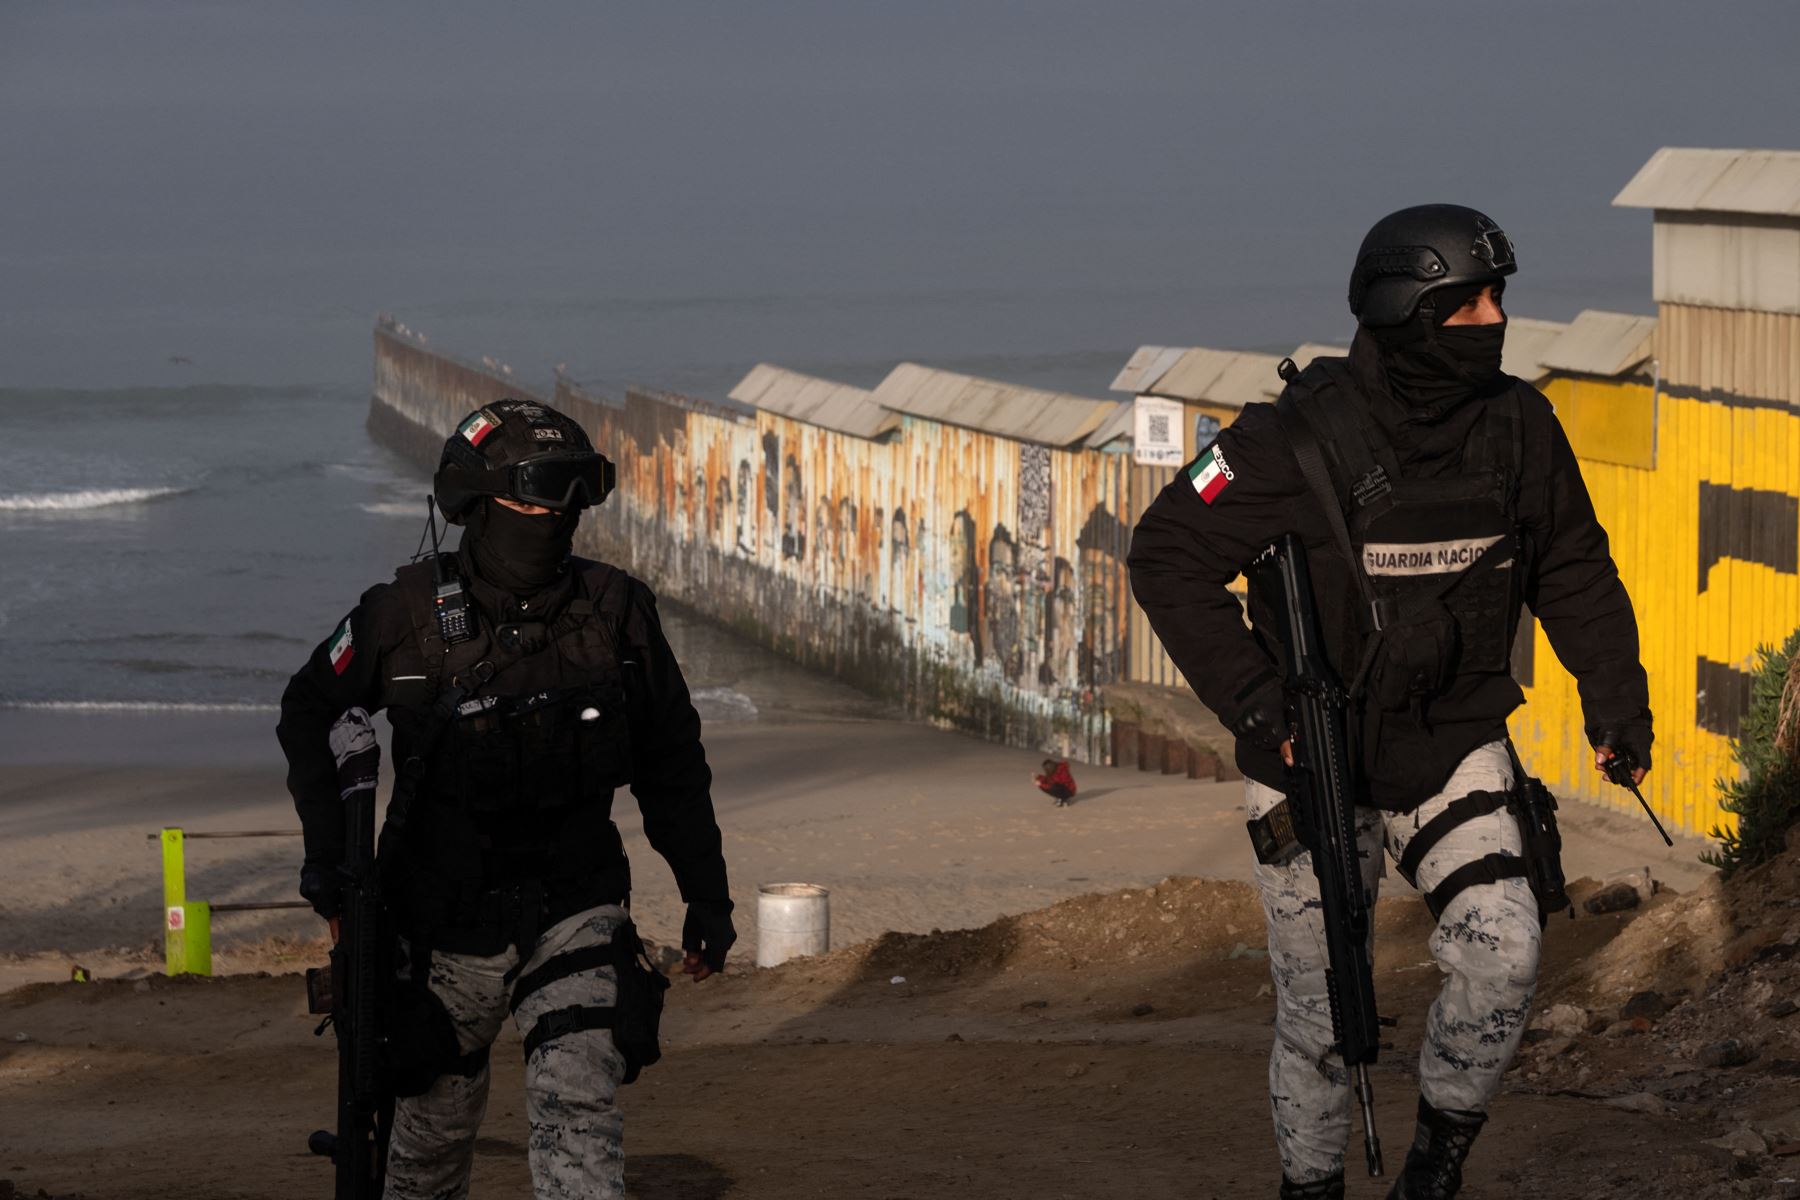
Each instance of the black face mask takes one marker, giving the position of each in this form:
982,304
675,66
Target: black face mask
517,551
1437,367
1474,348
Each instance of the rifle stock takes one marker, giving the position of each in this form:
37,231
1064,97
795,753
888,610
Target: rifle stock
1321,794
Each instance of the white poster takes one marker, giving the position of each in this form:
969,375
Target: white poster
1156,432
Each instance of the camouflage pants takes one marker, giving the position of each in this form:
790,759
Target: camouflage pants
1486,944
575,1140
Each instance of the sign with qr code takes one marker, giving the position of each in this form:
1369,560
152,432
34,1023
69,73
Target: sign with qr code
1156,433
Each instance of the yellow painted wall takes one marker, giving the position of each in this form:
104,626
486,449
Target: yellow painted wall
1652,512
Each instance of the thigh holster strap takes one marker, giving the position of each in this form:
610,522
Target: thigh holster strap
1458,812
561,967
1491,868
577,1018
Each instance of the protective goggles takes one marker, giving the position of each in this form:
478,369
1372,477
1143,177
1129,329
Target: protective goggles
563,481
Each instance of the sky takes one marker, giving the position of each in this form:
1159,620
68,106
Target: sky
668,193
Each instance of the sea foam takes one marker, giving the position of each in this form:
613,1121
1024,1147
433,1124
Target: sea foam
84,500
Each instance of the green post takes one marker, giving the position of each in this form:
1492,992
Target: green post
187,927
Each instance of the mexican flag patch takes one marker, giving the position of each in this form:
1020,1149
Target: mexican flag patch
478,427
1210,474
342,648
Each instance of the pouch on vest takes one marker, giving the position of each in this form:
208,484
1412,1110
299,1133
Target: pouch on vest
1412,660
1419,648
550,749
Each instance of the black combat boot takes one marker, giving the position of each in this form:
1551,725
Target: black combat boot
1322,1189
1433,1168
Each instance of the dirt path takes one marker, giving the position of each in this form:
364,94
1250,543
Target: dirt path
1094,1049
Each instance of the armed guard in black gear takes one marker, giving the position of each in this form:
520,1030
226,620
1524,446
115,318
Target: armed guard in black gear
1432,496
523,686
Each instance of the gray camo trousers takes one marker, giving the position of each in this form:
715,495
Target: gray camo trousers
575,1131
1486,944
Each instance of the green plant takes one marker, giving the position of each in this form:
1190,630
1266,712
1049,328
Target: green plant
1766,797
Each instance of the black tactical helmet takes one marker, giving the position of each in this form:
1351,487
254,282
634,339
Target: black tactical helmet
1418,250
524,451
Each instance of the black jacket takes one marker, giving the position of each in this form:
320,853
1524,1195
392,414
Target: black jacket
1185,551
386,667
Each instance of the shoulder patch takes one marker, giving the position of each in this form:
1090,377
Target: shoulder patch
342,648
1210,473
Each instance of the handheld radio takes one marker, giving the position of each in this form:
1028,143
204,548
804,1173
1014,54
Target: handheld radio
450,602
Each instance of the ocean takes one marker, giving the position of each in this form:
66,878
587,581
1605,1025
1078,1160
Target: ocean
172,555
184,549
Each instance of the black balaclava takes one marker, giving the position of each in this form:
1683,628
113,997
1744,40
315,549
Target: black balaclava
1424,373
1433,365
516,551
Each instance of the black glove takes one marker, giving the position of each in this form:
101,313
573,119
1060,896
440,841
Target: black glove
708,929
1262,721
1630,745
322,888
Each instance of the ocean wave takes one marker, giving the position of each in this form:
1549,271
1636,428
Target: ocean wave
86,499
132,706
723,705
409,509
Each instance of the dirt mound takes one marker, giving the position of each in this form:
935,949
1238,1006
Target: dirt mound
1193,919
1197,917
1693,1009
1693,942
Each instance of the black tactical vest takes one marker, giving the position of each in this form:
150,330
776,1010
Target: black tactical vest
1444,557
518,738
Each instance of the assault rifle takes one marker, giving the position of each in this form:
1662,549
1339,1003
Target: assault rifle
353,989
1324,818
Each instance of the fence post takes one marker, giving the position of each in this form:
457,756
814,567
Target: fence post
187,928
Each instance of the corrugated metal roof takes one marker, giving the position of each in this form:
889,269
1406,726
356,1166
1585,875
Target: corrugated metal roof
1733,181
822,402
1148,365
1602,343
1115,427
1528,339
1050,418
1228,378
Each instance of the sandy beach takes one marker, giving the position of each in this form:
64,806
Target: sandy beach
912,828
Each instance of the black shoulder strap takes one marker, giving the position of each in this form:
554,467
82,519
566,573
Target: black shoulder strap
1294,423
1360,447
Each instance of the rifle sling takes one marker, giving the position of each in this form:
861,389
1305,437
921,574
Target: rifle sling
1305,445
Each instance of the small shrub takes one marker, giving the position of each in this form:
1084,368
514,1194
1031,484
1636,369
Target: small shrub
1766,799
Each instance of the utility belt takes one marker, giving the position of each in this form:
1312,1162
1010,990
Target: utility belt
1279,837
